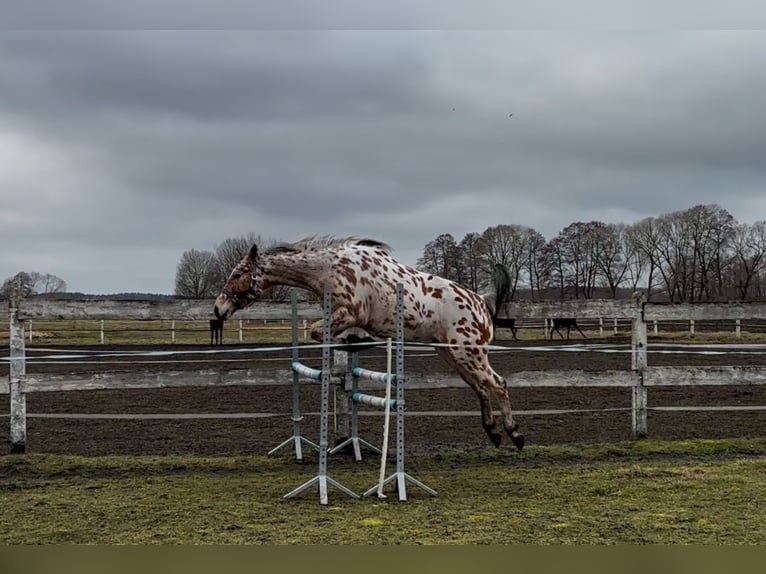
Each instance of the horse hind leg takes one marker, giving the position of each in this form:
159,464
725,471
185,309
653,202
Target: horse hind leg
487,418
488,379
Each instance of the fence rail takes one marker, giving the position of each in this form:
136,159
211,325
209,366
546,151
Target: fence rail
638,379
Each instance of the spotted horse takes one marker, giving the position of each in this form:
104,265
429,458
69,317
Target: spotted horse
363,276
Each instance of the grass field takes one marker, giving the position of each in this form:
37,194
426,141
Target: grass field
685,492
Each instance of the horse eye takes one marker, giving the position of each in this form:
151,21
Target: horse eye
236,276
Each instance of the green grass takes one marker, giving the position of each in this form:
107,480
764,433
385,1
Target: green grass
680,492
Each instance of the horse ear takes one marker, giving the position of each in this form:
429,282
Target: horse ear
253,252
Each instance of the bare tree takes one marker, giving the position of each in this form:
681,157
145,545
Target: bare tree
19,286
536,272
509,246
473,274
441,257
24,284
611,254
48,283
748,258
573,254
641,244
693,249
231,250
197,274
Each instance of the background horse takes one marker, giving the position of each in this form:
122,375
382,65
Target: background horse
363,277
507,323
567,322
216,331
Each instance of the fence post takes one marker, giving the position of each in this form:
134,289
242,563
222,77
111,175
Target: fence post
102,331
601,327
638,344
738,328
173,331
240,330
691,326
16,376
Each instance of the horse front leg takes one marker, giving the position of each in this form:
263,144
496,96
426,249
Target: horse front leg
340,320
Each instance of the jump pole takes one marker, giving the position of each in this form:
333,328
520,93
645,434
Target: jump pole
297,440
321,479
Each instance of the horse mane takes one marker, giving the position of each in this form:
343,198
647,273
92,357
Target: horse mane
324,242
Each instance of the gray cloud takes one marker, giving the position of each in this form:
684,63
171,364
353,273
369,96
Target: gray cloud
120,150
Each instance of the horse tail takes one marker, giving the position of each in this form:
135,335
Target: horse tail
501,282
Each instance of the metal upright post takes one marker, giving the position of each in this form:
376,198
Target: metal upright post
322,479
400,475
296,439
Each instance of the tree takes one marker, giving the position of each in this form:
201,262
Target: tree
197,275
472,254
611,255
509,246
48,283
230,251
641,241
441,257
574,257
748,257
24,284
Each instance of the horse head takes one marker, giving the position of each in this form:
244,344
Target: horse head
241,288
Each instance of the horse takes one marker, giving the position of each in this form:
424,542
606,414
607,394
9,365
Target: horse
507,323
565,322
363,274
216,331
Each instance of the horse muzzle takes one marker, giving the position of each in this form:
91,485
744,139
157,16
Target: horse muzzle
224,307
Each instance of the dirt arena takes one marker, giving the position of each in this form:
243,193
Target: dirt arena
606,418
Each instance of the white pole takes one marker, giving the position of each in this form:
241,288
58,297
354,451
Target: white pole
386,421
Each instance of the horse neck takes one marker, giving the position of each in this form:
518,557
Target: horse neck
301,270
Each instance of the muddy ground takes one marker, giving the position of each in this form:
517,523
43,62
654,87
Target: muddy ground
607,418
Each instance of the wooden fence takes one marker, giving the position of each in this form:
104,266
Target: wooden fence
638,379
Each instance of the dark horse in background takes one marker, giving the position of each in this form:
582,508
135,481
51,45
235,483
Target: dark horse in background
567,322
363,276
216,331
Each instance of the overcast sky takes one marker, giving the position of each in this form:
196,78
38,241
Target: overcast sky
119,150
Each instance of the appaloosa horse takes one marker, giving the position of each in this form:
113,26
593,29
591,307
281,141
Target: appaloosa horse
363,277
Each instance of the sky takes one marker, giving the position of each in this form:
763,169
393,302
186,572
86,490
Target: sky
121,148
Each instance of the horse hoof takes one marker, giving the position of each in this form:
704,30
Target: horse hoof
496,438
518,440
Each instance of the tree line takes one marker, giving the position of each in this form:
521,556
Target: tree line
693,255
